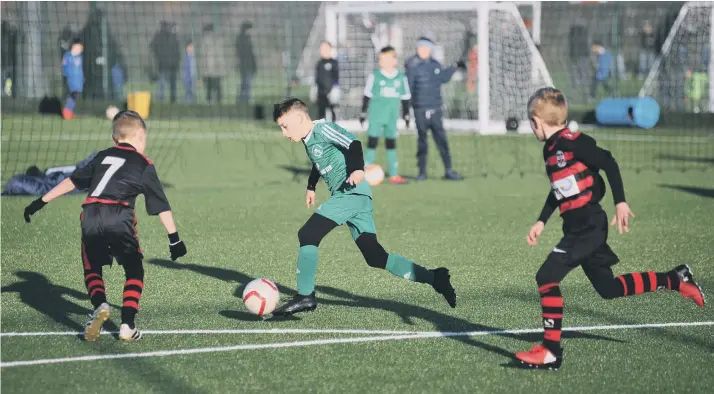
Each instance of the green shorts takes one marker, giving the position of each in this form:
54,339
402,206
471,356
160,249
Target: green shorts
353,209
381,129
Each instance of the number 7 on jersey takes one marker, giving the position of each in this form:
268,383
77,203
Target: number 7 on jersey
114,164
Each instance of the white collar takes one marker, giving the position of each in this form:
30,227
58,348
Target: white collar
314,122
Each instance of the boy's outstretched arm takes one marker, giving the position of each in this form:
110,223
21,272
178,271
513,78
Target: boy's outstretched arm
366,97
157,204
585,149
167,219
352,149
63,188
354,160
176,246
550,204
548,208
311,186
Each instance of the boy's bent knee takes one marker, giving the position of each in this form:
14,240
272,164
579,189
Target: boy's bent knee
374,254
314,230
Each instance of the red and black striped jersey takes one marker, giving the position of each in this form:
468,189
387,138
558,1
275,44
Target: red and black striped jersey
573,162
117,176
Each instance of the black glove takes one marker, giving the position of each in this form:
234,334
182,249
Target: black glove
407,119
176,246
460,64
33,208
362,118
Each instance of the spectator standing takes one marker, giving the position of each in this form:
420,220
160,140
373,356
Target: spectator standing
189,74
72,69
246,60
167,52
426,75
326,89
648,50
580,64
603,69
212,64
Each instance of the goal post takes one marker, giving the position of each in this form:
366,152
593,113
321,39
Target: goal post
686,62
509,69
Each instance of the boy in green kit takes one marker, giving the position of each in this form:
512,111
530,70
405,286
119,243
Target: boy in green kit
337,158
385,89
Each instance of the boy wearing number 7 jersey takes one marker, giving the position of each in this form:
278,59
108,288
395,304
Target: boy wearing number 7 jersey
114,178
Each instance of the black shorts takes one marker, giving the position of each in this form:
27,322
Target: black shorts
109,231
584,244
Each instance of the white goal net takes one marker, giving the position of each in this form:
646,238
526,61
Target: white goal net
504,66
682,77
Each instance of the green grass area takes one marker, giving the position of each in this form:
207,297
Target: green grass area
49,141
237,190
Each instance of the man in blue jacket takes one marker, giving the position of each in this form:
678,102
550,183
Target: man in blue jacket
72,70
425,76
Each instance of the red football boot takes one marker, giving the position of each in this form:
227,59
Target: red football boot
540,357
397,180
688,287
67,114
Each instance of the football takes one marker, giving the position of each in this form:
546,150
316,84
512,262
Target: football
374,174
573,126
261,296
111,112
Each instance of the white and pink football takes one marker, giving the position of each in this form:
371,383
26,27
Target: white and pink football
261,296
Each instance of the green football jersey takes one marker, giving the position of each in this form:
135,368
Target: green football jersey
386,93
325,146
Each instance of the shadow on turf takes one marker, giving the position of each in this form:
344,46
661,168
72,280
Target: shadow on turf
698,191
680,337
406,312
296,171
37,292
708,160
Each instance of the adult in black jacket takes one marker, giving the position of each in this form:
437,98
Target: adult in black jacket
167,51
95,66
246,60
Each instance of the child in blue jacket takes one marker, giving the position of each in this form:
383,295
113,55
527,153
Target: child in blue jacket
72,70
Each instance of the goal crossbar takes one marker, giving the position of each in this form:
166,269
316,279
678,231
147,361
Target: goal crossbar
335,13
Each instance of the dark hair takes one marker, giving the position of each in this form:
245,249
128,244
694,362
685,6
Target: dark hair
388,49
76,40
286,106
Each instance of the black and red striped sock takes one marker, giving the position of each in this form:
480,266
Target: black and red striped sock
95,287
133,288
643,282
551,302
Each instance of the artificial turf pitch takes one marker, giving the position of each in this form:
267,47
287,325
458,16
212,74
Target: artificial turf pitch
238,197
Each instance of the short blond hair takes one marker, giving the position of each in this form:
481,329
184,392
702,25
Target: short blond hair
550,105
126,124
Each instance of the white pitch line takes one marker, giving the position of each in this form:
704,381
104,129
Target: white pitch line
218,332
283,331
416,335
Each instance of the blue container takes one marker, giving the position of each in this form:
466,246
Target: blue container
637,111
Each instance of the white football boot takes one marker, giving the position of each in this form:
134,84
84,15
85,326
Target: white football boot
129,334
